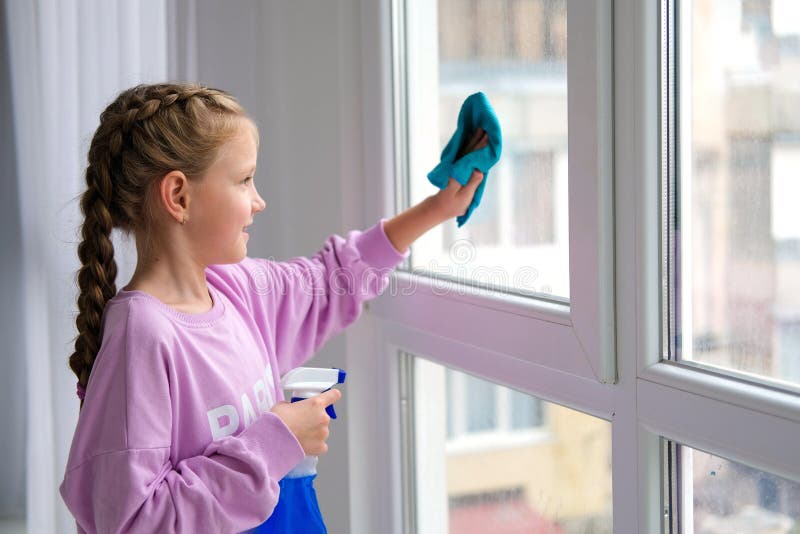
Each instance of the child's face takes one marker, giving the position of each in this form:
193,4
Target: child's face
224,201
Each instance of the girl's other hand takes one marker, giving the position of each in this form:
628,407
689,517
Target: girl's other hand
308,420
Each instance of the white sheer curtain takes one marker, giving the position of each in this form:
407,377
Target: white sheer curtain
68,60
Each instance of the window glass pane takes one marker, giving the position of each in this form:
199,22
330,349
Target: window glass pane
737,225
481,409
538,468
732,497
451,395
526,411
514,51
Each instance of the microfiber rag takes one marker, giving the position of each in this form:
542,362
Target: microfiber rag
476,112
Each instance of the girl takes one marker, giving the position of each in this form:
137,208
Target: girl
183,426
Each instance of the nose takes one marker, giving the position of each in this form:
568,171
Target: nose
258,203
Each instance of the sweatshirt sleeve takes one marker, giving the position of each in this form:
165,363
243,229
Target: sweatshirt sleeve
123,473
228,488
303,302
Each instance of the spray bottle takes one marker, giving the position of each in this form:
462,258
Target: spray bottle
304,383
297,510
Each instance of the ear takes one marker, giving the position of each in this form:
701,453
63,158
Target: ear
174,194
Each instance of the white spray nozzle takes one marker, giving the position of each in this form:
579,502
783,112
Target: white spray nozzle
305,382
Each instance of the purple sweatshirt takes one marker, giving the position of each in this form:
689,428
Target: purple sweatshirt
175,434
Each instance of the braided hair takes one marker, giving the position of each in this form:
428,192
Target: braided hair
146,132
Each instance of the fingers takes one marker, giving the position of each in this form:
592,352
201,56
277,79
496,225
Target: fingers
472,184
308,420
478,140
317,450
466,148
476,137
484,140
474,181
327,398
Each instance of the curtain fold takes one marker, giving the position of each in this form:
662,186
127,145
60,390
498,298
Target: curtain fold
68,60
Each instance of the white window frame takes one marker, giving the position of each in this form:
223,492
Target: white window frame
581,330
714,412
650,399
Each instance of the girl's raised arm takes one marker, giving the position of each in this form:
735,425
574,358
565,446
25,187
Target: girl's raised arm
449,202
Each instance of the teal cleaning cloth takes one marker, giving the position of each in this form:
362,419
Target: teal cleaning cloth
476,112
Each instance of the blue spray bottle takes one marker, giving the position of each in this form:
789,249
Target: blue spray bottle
297,510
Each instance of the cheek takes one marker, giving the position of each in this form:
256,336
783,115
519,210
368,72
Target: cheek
245,209
216,221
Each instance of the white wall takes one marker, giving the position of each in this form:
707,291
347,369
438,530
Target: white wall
296,67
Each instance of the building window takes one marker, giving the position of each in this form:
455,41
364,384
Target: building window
479,407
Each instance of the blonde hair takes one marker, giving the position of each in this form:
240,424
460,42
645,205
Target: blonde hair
146,132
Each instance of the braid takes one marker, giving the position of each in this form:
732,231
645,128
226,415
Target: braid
97,275
145,101
148,131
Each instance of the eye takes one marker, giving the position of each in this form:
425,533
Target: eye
247,180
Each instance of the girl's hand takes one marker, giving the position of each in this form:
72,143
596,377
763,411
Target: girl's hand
308,420
454,199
